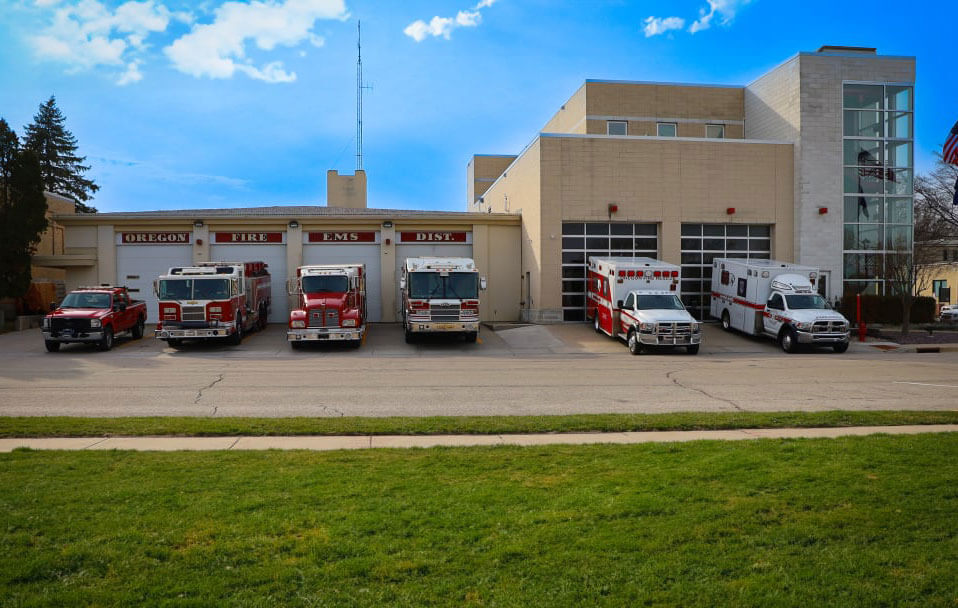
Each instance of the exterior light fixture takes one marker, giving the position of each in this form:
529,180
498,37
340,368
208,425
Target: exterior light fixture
613,208
387,224
730,211
198,223
293,224
822,210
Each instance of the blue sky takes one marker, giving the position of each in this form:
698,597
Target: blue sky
224,104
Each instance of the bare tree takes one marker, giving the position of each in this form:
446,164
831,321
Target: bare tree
935,193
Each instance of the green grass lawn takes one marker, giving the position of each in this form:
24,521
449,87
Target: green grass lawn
64,426
859,521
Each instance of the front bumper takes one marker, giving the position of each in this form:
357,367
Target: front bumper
651,339
176,333
807,337
325,334
442,326
87,336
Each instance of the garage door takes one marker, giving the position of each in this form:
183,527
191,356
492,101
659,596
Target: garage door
268,251
323,248
140,259
430,244
702,243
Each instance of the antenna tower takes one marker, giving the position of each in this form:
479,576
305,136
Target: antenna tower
359,97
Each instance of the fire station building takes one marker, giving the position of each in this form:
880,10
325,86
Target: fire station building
812,163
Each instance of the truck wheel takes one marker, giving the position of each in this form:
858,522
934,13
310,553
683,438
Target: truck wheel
296,345
137,330
840,347
237,337
52,345
788,340
175,343
693,349
595,323
635,347
263,318
726,321
410,337
471,336
106,343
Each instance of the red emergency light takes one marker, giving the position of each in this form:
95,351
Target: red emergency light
657,274
675,274
621,273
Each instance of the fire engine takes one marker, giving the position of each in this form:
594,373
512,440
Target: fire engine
637,299
440,295
776,299
214,300
332,304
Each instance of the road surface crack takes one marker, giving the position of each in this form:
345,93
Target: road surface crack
698,390
199,393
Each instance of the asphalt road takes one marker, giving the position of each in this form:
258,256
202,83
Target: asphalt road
528,370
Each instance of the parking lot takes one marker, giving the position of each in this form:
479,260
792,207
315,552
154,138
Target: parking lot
557,369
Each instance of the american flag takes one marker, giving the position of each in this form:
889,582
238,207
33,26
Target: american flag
949,152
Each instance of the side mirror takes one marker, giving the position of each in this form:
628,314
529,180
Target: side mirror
53,306
402,283
482,283
618,303
156,288
121,305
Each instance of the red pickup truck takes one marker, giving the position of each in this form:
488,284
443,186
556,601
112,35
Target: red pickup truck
94,315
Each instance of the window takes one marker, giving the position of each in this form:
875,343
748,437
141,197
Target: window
715,131
617,127
629,301
776,302
666,129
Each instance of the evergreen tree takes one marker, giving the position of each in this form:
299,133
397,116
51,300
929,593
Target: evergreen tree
56,147
23,210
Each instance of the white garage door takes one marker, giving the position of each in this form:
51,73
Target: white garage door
458,250
138,265
275,258
367,254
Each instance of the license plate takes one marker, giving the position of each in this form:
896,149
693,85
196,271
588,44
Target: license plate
67,332
323,336
189,333
445,326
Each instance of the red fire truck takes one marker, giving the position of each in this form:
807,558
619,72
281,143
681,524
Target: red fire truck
214,300
637,299
331,306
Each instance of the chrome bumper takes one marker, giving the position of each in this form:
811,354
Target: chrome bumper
88,336
198,332
443,326
651,339
325,334
806,337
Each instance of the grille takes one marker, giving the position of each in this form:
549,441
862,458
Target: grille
78,325
194,313
444,312
324,318
674,329
828,326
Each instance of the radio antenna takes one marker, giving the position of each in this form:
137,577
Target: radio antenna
359,97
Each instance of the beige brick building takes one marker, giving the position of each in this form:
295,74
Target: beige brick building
687,173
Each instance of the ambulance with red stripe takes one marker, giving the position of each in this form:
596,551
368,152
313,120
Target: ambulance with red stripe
775,299
637,300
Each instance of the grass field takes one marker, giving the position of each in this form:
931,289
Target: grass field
865,521
63,426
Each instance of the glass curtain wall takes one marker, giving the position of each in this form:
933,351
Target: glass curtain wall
878,163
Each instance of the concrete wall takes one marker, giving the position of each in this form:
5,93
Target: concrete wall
497,253
346,190
481,172
570,117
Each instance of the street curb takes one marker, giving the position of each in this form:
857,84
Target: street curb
361,442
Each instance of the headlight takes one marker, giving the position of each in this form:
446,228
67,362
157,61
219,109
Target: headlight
46,322
94,322
349,322
298,324
647,326
696,327
803,326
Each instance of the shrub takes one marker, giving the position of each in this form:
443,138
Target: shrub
887,309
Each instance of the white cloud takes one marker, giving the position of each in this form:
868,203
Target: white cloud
656,25
442,26
724,8
218,49
87,34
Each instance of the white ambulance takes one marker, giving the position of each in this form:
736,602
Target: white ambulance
776,299
637,299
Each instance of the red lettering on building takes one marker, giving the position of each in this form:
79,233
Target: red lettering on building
248,237
427,236
155,238
342,236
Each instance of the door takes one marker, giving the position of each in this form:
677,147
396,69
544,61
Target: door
368,254
774,314
137,266
275,258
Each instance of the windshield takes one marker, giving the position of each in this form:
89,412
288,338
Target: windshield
194,289
806,302
325,284
86,300
668,302
457,285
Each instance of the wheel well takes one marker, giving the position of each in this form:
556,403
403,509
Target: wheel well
785,327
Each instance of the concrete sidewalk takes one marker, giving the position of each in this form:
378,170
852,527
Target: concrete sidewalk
360,442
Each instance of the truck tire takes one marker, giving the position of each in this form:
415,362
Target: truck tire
840,347
237,338
635,347
52,345
693,349
137,330
263,318
788,340
175,343
726,321
410,337
106,342
296,345
471,336
595,323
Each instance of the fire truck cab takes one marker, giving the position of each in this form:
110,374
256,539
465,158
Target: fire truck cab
213,300
331,306
637,300
440,295
776,299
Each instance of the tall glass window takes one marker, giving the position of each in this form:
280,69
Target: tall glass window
878,160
